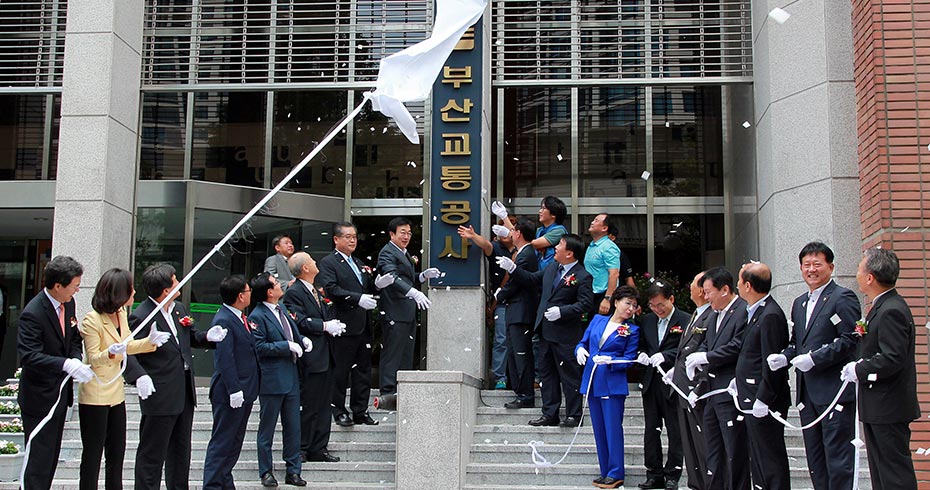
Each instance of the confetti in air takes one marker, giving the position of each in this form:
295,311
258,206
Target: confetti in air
746,124
779,15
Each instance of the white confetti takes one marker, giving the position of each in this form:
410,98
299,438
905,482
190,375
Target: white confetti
559,157
645,175
750,381
405,421
746,124
835,319
800,406
921,451
468,349
739,418
779,15
422,181
668,124
905,229
857,442
872,377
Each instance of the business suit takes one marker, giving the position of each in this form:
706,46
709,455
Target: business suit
830,457
725,435
520,314
236,369
351,351
168,414
658,403
608,388
766,334
277,266
102,408
887,373
690,419
557,339
398,322
43,350
279,390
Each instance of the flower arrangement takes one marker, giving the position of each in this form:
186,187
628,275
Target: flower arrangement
19,373
623,330
7,447
9,408
9,390
570,280
675,329
862,327
186,321
13,426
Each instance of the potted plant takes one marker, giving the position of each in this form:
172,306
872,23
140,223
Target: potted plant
11,461
13,431
9,410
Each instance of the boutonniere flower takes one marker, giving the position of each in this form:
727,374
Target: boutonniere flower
623,330
292,315
699,330
366,270
414,259
74,322
675,329
326,301
862,327
570,280
253,325
186,321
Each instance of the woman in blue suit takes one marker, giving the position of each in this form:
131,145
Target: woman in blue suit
606,339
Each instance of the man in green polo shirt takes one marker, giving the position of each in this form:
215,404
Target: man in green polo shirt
602,261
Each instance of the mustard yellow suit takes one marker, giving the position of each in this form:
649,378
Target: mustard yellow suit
99,333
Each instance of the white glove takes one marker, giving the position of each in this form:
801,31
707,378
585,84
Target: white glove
431,273
849,373
601,359
776,361
499,210
667,379
732,389
367,302
308,345
423,302
553,313
117,349
216,333
759,409
295,348
581,355
82,373
157,337
236,399
145,386
693,362
804,362
500,230
692,399
334,327
643,359
657,359
383,281
506,264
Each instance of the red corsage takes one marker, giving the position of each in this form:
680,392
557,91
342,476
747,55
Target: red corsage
675,329
326,301
862,328
366,270
292,315
570,280
186,321
74,322
623,330
253,325
414,259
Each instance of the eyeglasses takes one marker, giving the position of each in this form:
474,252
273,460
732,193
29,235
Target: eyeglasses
348,237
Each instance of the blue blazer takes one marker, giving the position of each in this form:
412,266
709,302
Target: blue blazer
279,372
609,379
235,362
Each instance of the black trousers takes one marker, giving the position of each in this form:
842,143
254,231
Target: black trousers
890,462
830,456
45,448
768,454
396,354
559,370
520,364
690,422
315,421
352,355
103,431
727,445
658,407
165,441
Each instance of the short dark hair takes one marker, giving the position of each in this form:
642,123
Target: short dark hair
883,265
526,227
613,230
156,278
719,277
230,287
113,291
556,207
337,228
397,222
814,248
260,285
660,287
761,280
62,270
575,245
278,238
624,292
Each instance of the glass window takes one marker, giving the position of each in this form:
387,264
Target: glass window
164,119
537,141
56,129
687,244
385,164
229,138
159,238
301,120
688,142
612,142
22,131
631,237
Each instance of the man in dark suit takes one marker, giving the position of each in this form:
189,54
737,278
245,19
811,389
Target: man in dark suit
724,429
691,418
347,281
165,380
758,388
399,303
50,349
277,264
314,321
886,373
566,296
823,319
234,386
659,333
279,347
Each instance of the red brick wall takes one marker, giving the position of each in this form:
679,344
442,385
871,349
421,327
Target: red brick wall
892,76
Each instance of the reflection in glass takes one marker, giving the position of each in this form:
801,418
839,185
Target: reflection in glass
159,238
56,128
612,141
163,127
688,243
229,138
385,164
301,119
537,142
688,147
22,130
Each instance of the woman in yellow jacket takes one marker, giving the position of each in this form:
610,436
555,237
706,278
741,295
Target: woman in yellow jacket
102,407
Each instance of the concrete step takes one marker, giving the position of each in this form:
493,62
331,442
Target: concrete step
522,434
72,484
351,451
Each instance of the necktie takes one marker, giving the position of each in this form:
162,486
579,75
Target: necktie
810,308
663,326
358,273
691,322
558,276
287,329
61,318
245,322
316,297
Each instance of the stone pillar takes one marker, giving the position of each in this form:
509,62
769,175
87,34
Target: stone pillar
436,413
456,338
94,197
805,110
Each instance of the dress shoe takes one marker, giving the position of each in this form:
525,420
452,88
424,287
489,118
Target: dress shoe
671,484
608,482
323,457
268,480
598,480
518,403
295,480
653,482
365,419
570,422
544,422
343,420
